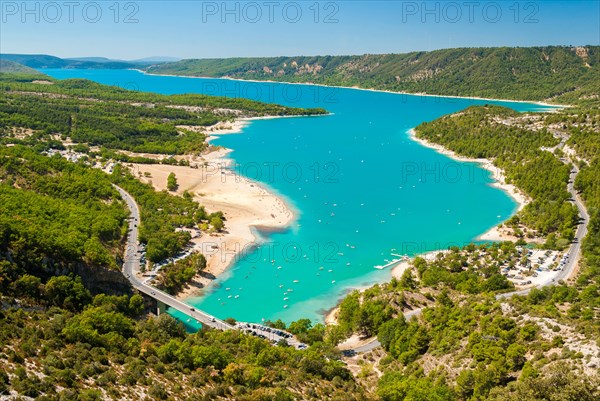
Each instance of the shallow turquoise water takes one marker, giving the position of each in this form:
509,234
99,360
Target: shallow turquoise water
361,187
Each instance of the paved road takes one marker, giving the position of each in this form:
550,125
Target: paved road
565,273
581,231
131,266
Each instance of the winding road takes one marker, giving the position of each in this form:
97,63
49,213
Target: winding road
131,266
566,272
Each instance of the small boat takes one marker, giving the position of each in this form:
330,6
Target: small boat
332,281
237,296
296,281
285,306
285,299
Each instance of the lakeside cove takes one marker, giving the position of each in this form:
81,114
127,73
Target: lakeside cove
332,233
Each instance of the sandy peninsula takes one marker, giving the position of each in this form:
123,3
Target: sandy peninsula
245,204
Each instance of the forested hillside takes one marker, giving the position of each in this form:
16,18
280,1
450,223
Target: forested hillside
560,74
115,118
486,132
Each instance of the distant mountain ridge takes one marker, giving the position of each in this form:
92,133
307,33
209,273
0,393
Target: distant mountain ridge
47,61
8,66
552,73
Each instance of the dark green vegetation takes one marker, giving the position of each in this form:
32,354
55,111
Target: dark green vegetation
58,216
55,215
174,276
104,348
488,352
115,118
474,269
474,347
172,182
487,132
561,74
584,126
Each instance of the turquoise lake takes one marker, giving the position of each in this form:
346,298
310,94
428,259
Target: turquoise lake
362,189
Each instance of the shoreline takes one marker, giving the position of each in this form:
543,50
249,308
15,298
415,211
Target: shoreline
237,126
249,206
499,181
330,315
539,103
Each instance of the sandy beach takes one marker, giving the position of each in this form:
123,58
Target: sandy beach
245,204
494,233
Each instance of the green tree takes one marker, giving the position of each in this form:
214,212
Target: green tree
217,223
515,356
136,305
28,286
67,292
172,182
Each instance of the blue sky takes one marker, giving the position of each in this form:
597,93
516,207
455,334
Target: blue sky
203,29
